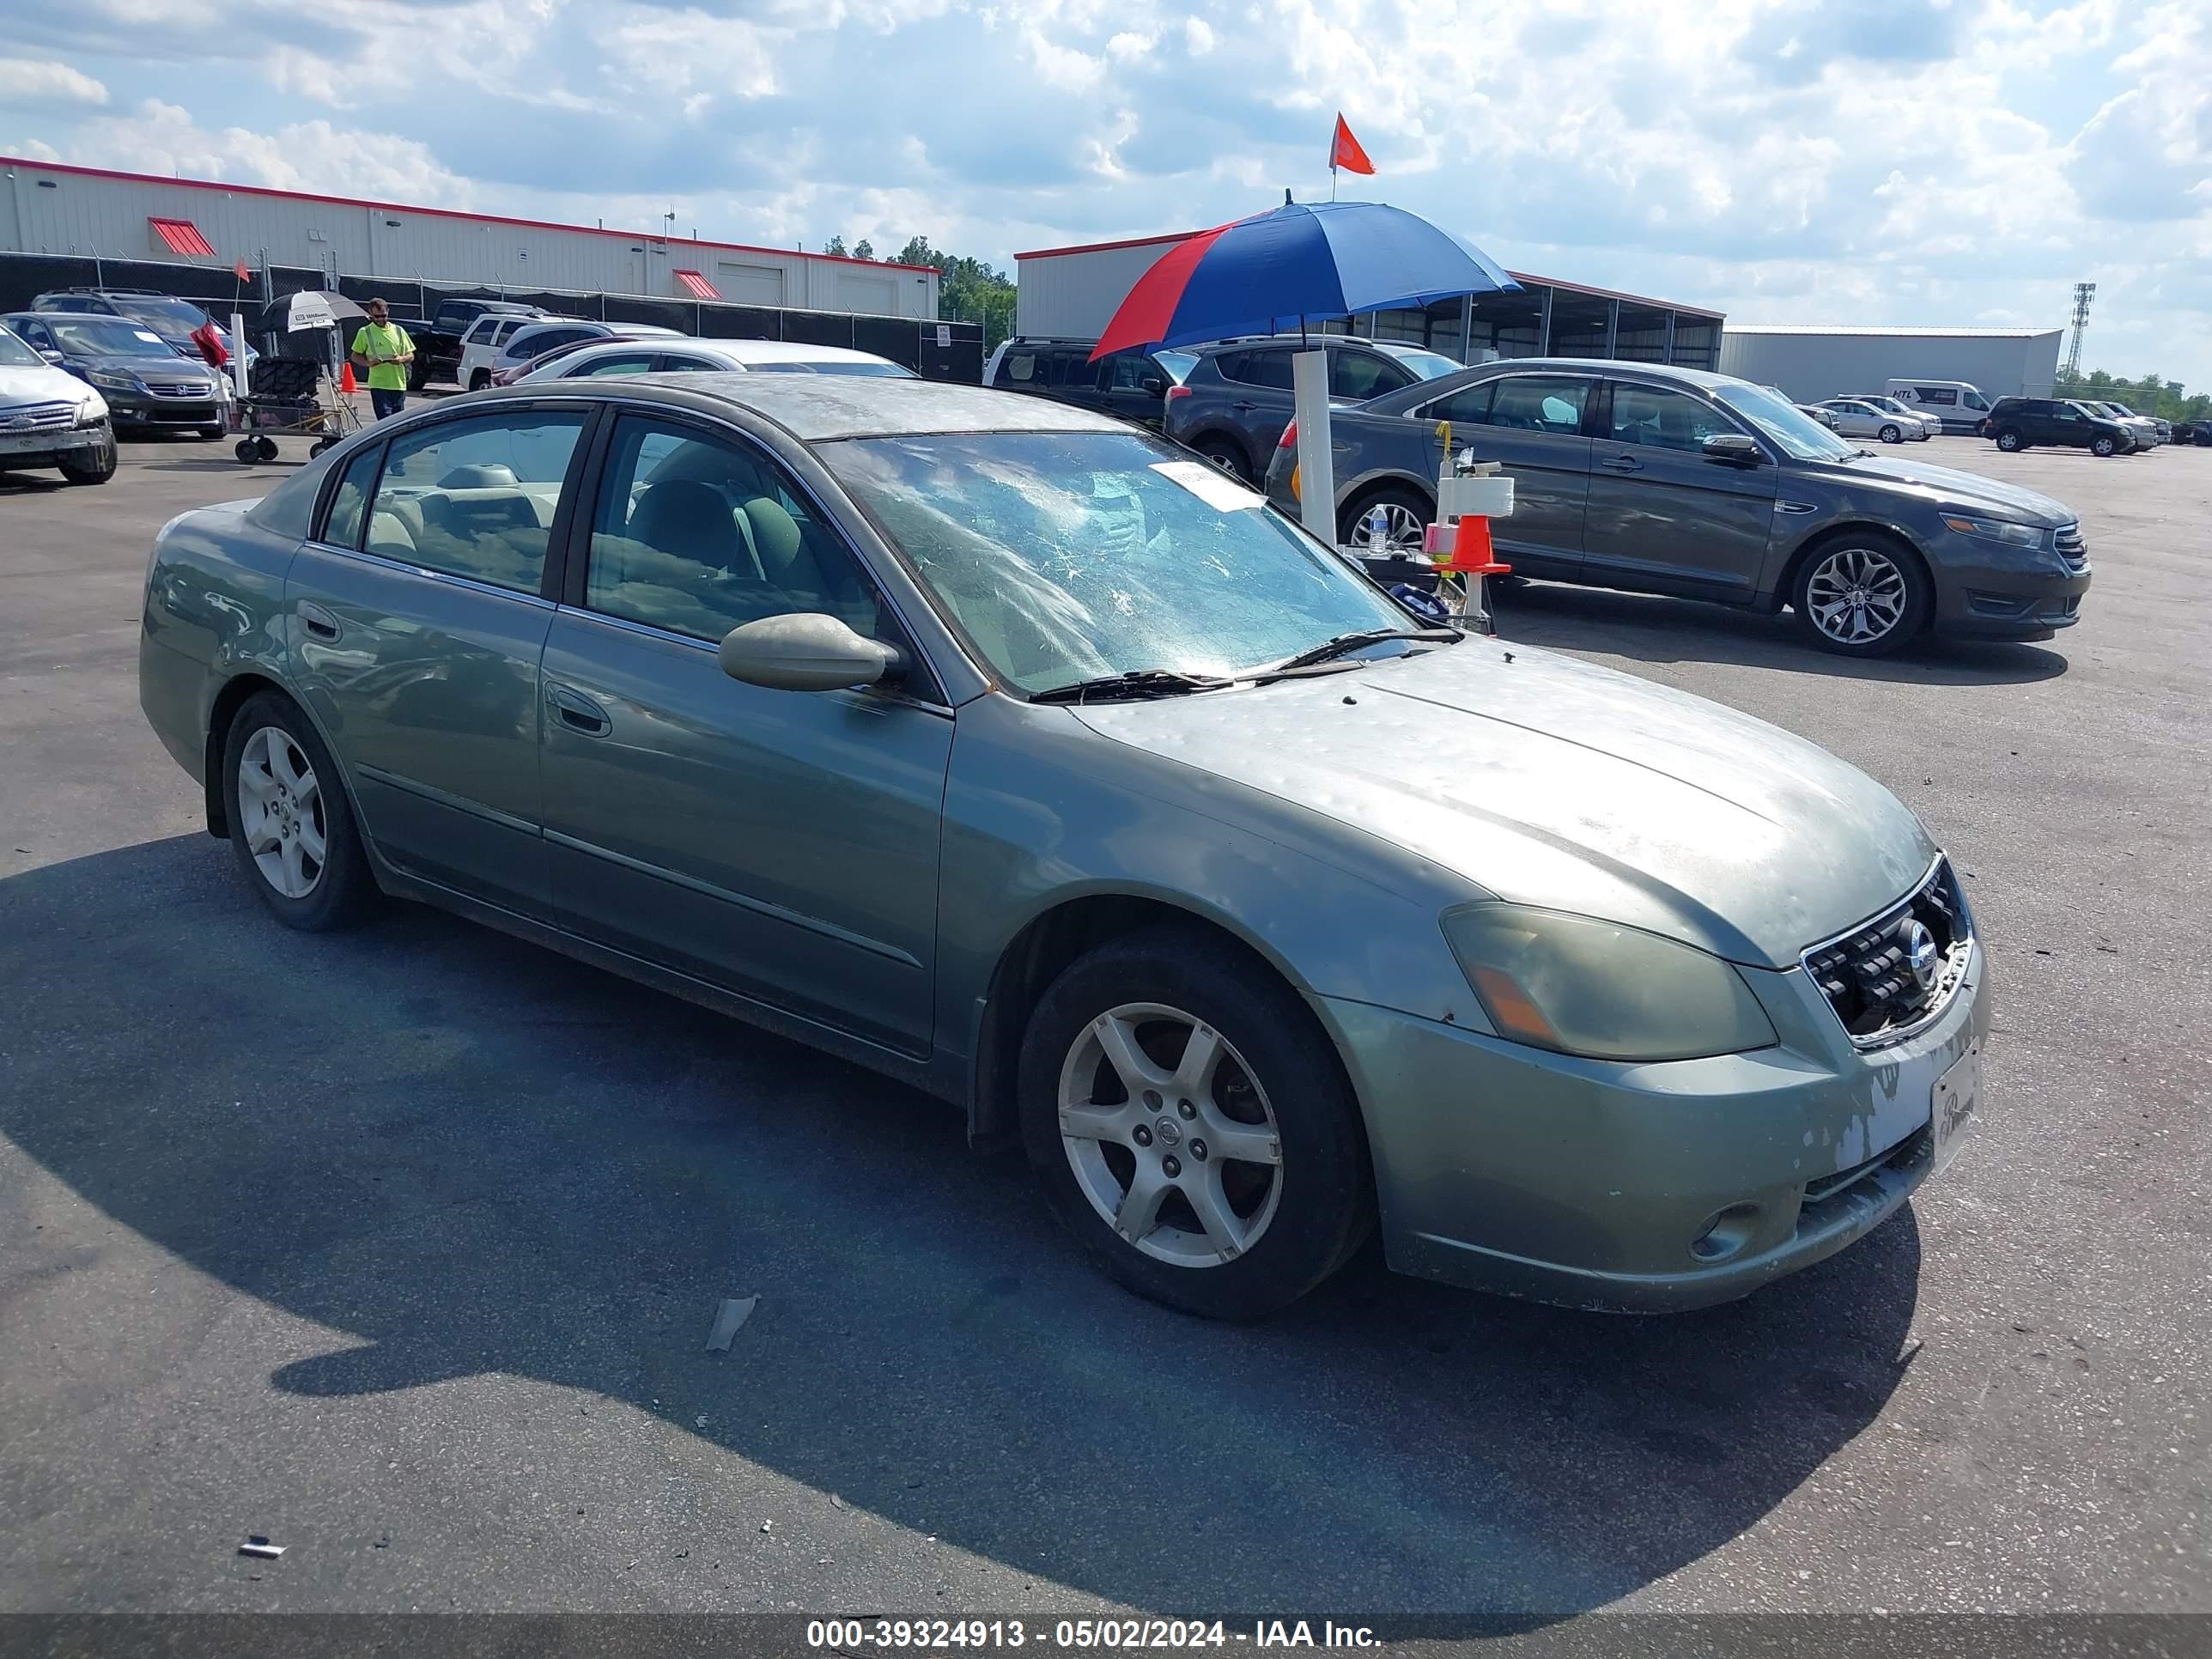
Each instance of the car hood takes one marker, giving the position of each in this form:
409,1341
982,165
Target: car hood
43,384
1947,486
164,366
1549,781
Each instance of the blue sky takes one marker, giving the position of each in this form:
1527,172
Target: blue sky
1931,162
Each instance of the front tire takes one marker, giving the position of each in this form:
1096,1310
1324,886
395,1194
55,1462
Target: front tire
2102,447
99,470
291,827
2010,441
1893,435
1193,1126
209,434
1862,595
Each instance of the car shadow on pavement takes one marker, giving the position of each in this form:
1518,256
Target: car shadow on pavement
465,1155
1653,629
29,483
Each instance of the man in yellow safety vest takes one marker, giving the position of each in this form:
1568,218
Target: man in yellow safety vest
383,349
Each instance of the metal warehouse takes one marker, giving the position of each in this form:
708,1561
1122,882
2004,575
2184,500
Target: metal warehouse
1811,363
1071,292
46,207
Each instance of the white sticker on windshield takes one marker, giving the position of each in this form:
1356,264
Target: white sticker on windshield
1211,486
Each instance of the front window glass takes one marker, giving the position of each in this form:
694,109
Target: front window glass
1795,432
1064,557
14,353
1973,400
1660,419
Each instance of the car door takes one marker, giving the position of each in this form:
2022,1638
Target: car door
1135,388
2067,424
778,844
1532,423
1663,516
414,628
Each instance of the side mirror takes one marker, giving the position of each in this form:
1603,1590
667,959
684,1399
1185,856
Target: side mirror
53,356
1733,449
806,651
1153,386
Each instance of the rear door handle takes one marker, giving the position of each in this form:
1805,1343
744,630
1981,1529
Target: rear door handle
577,711
318,622
1624,464
1243,408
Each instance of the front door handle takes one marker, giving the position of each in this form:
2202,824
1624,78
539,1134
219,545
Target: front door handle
1243,408
577,712
1624,464
318,621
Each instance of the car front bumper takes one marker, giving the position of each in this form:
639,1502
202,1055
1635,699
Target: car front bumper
1591,1183
137,408
34,449
1978,596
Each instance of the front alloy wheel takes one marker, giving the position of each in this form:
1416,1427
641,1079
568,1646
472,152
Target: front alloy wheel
2009,442
1863,598
1893,435
1169,1136
2102,447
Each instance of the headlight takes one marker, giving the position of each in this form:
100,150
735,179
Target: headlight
114,379
93,410
1579,986
1999,530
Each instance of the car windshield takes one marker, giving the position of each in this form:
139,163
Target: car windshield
1428,365
168,313
1800,436
1069,556
1178,364
14,353
98,337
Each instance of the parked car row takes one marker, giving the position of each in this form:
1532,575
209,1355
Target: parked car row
2018,423
146,385
50,417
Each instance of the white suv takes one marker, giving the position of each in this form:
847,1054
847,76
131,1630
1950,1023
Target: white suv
480,347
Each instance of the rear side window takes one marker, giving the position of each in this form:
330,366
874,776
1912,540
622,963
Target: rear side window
1363,375
1019,368
1469,405
1267,369
474,498
1069,368
349,505
1541,402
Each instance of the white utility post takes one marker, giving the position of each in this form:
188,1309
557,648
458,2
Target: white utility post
238,354
1316,460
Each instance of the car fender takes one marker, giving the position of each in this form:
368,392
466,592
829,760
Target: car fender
1794,536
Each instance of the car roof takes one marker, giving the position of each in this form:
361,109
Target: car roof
747,351
815,408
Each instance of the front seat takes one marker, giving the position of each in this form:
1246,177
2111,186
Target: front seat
688,519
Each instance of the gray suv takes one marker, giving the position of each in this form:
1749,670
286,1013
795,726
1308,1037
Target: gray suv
1675,480
1235,402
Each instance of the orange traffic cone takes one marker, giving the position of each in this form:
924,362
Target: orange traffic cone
346,383
1472,554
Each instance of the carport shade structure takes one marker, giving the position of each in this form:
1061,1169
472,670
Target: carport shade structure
1304,259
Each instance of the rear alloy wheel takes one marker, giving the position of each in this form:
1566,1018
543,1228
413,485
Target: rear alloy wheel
1389,521
2009,442
480,379
1862,598
2102,447
1224,453
1893,435
1192,1125
290,826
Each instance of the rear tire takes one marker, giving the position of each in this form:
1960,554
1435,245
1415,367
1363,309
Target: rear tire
1389,520
2010,441
480,379
291,826
1282,1219
1225,453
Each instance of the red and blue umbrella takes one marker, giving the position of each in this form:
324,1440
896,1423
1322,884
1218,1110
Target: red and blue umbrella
1304,259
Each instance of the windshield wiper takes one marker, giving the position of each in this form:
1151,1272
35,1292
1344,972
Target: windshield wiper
1133,686
1347,642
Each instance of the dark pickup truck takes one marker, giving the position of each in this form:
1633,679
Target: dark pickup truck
438,337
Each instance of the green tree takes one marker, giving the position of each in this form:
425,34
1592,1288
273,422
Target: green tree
969,290
835,245
864,249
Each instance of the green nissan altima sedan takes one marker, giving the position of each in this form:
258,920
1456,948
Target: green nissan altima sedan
1015,753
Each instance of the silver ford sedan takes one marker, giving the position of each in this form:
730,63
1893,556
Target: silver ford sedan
1016,753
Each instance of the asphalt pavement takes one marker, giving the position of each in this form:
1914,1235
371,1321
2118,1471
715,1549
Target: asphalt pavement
401,1246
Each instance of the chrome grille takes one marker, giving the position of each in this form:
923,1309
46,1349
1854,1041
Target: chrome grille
1870,976
200,390
2072,548
37,417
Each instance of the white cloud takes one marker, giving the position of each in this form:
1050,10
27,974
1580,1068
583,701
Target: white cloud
41,81
1197,36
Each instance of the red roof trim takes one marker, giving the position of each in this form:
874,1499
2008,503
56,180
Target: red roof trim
182,236
440,213
698,286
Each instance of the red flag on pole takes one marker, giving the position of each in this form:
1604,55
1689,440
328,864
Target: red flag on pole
1344,151
239,270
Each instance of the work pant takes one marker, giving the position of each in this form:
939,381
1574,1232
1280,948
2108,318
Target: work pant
386,402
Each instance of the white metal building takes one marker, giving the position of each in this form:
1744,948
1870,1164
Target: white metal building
46,208
1071,292
1811,363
